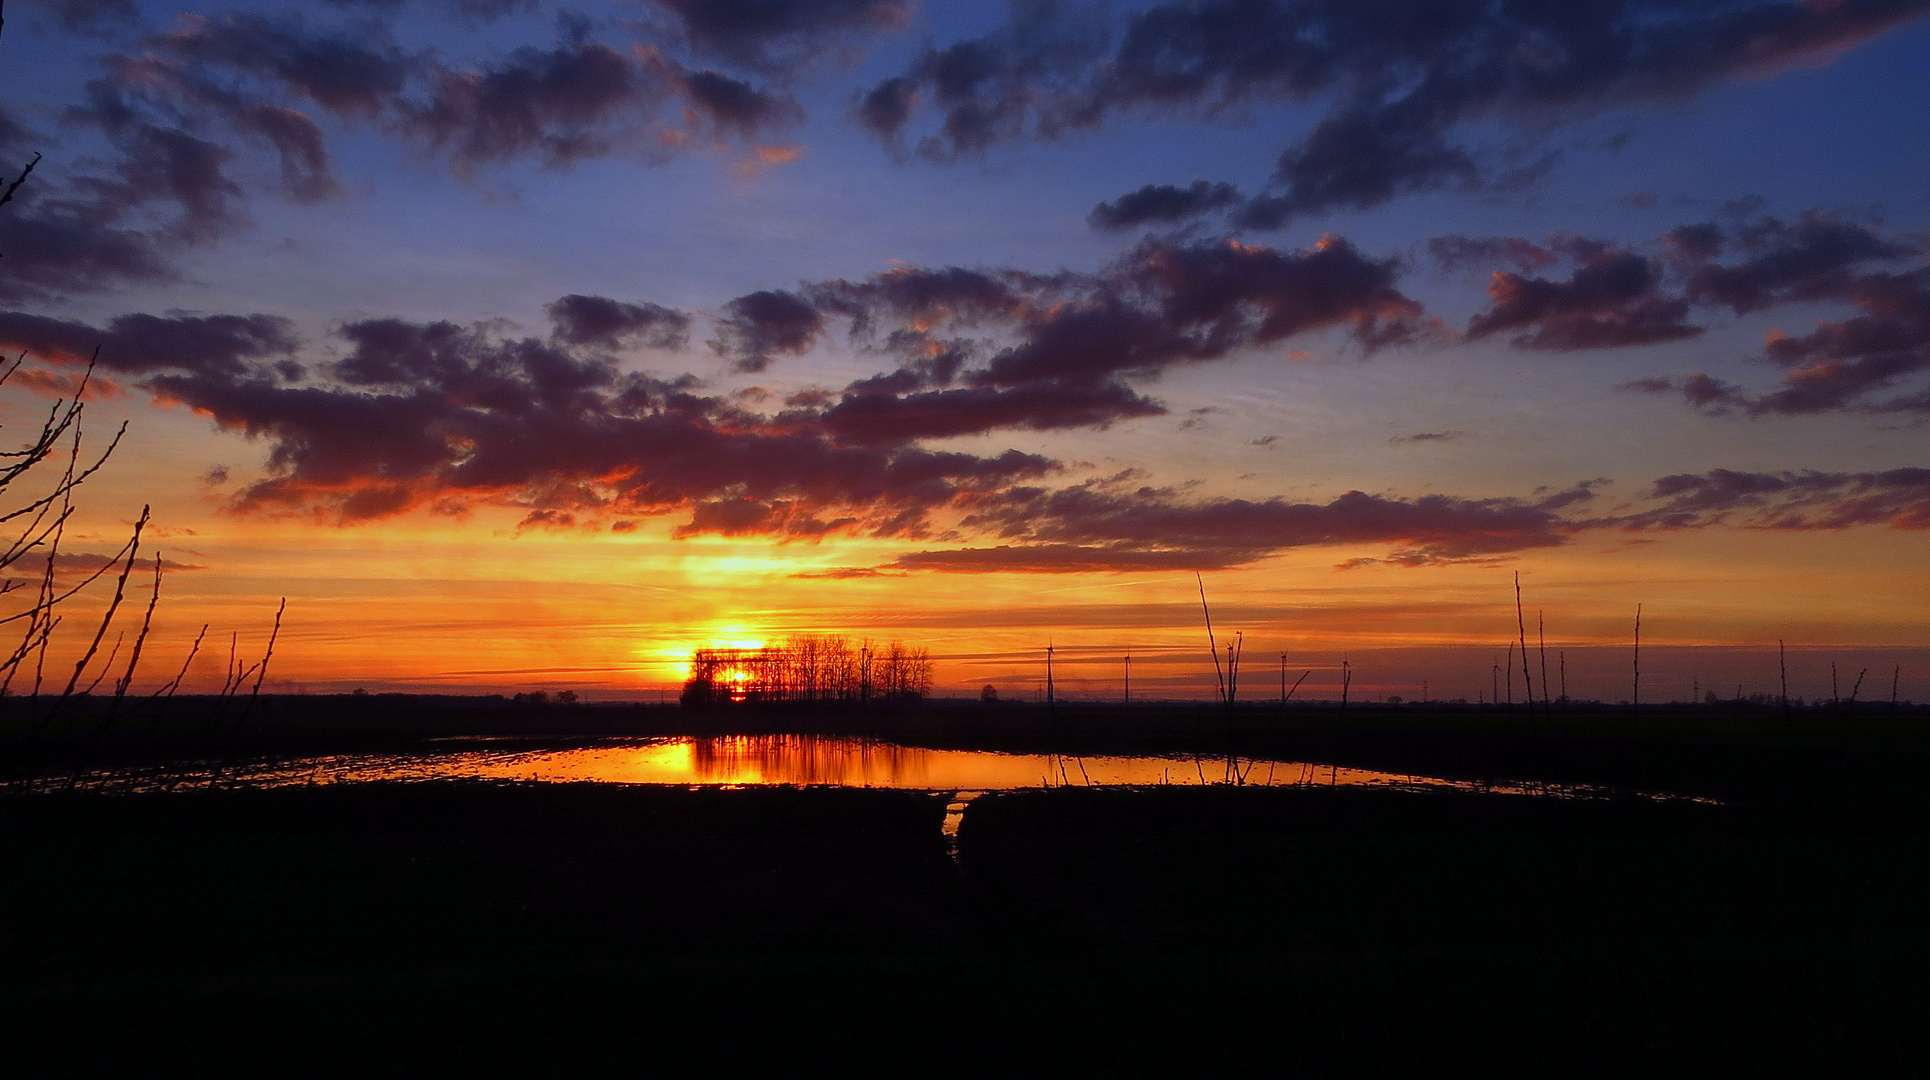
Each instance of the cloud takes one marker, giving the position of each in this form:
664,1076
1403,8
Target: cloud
579,100
1455,252
442,417
186,111
783,33
1103,525
1166,304
1808,259
1163,204
1869,362
1796,500
91,16
1020,81
219,345
447,418
1613,299
84,562
200,61
757,326
1058,559
61,247
981,349
466,11
1428,436
1359,160
860,417
732,106
598,320
72,231
847,573
1401,84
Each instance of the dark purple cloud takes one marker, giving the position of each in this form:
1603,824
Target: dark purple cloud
352,74
754,328
184,108
1358,160
305,172
1020,81
467,11
1163,204
211,345
1061,559
736,107
1108,526
779,33
1404,79
885,417
581,98
1613,299
89,16
61,247
1809,259
1872,361
1485,253
1869,362
1802,500
1061,350
169,182
598,320
562,105
448,417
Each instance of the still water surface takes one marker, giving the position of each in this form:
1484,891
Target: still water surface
738,761
843,762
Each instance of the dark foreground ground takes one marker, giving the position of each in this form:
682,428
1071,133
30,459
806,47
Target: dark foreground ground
500,928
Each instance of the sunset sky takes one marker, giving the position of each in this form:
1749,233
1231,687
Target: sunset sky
526,345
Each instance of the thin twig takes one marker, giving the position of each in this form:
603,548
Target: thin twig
1212,646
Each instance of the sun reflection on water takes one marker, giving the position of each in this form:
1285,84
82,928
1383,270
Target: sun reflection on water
805,760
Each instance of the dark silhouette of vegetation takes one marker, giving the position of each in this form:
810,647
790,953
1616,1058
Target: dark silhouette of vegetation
38,485
809,669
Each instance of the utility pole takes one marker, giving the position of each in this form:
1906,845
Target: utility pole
1129,678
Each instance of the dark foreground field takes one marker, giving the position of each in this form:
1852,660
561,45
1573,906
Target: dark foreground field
517,927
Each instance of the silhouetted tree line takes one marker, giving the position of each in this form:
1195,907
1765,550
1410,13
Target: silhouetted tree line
809,668
543,697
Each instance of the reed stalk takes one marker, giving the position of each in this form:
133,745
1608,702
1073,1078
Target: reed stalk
1635,695
1521,625
1212,646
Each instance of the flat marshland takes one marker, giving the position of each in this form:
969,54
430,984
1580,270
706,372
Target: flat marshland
1781,923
